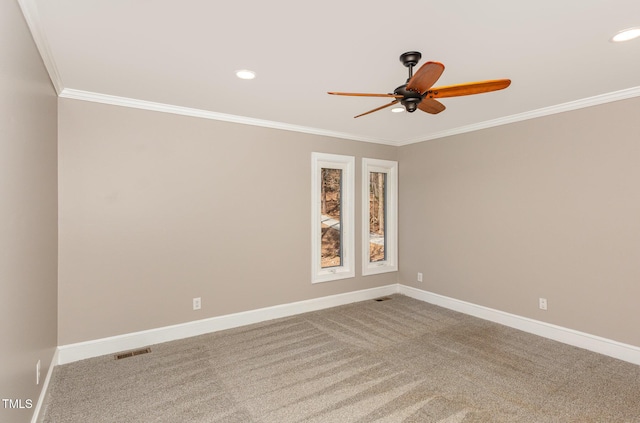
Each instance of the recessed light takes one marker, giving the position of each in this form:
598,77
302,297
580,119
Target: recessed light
398,109
245,74
626,35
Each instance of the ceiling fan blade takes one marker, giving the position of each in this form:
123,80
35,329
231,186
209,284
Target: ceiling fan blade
468,88
431,105
425,77
378,108
365,94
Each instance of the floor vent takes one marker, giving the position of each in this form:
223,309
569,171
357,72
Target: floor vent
383,299
120,356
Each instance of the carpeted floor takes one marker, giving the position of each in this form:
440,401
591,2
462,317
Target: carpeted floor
399,360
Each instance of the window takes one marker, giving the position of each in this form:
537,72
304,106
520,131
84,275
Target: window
379,216
332,217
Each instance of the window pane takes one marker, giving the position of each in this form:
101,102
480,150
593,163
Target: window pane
331,218
377,216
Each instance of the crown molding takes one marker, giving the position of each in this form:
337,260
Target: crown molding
545,111
31,15
205,114
30,11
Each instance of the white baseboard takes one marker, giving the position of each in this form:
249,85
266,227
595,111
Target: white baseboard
587,341
45,388
82,350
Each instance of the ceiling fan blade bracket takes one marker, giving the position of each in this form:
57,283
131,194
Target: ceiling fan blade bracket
430,94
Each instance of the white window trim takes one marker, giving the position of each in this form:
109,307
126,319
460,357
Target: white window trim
391,169
347,164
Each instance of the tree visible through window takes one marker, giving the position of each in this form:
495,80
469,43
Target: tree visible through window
377,218
331,218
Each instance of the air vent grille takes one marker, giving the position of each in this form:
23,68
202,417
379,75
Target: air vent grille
127,354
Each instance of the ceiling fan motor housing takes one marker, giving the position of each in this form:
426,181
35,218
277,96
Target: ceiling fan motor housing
410,98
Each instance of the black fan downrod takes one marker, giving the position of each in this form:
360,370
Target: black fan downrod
410,99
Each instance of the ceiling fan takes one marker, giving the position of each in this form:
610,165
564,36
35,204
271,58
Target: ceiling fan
418,93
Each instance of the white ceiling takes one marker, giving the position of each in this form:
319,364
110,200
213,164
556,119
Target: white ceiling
181,55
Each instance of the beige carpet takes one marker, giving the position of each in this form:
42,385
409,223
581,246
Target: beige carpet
399,360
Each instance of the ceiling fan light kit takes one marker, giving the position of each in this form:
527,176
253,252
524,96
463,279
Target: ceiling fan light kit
417,92
626,35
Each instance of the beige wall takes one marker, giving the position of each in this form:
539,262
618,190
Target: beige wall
156,209
28,214
544,208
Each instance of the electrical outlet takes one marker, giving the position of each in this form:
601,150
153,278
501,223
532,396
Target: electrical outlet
197,303
542,302
419,277
38,373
